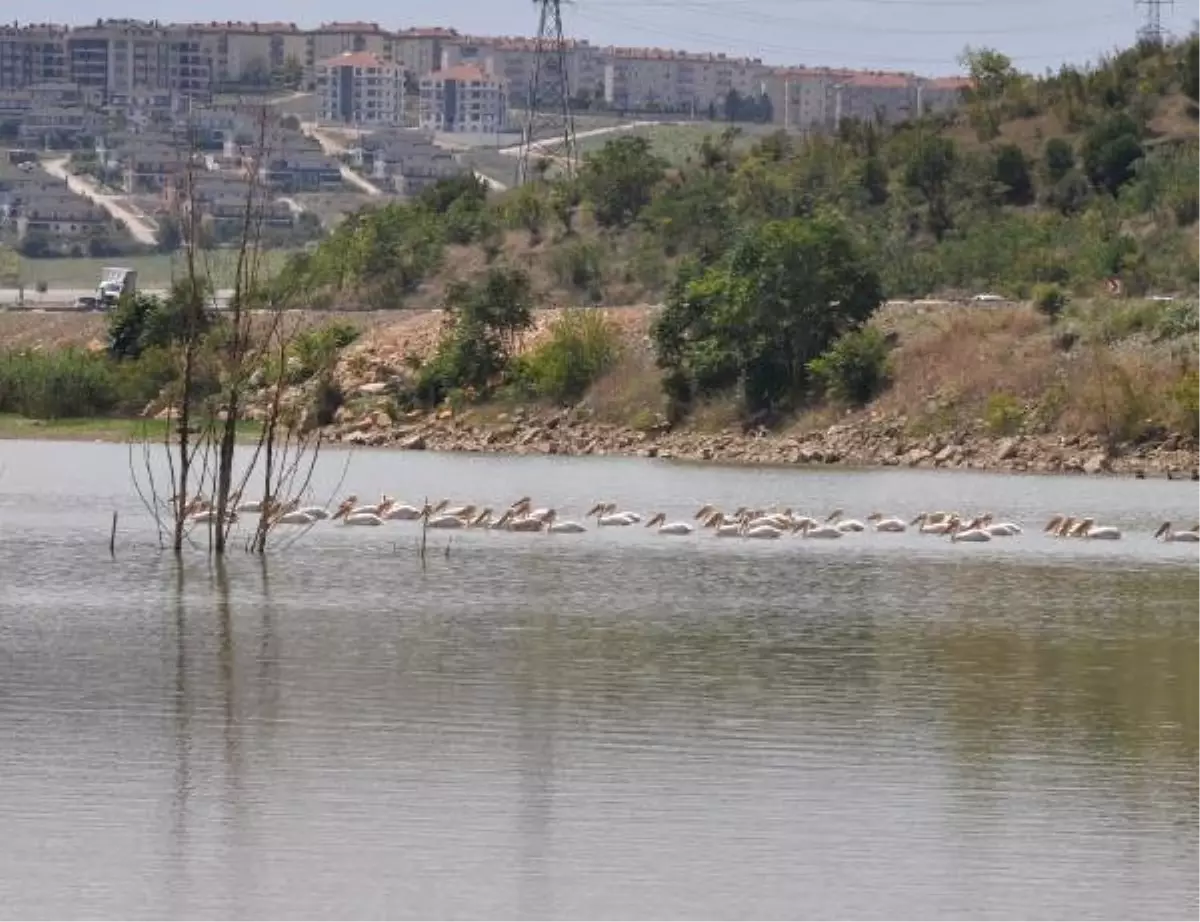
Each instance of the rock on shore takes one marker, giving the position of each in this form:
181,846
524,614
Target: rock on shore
875,442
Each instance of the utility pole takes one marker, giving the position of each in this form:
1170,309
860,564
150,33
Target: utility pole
549,131
1152,32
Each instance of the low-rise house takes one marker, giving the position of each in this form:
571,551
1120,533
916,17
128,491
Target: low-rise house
300,171
67,218
148,168
404,161
53,126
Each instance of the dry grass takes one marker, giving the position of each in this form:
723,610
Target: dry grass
955,359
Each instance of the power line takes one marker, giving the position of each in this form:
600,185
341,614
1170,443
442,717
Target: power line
549,133
719,40
710,9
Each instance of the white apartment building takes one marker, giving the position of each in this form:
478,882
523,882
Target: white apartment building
657,78
463,99
420,49
31,55
360,88
248,53
817,99
514,60
334,38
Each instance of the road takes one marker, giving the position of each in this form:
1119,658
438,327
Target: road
60,299
142,228
333,147
547,143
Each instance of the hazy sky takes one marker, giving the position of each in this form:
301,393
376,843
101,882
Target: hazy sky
920,35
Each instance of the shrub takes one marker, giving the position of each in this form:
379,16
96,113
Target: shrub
583,344
1049,299
578,265
855,369
42,286
1186,397
54,385
317,350
1003,415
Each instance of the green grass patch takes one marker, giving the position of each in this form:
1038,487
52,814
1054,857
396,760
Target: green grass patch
155,271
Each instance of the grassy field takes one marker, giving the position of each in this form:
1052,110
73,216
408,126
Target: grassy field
676,143
99,429
153,271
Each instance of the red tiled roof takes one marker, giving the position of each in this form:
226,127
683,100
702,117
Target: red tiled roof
462,73
349,27
356,59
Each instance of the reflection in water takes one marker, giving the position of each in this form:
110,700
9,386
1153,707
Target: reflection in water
608,727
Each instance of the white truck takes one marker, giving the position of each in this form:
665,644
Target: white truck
116,282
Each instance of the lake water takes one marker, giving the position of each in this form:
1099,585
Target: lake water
607,725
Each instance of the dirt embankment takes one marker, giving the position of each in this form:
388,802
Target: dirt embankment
976,387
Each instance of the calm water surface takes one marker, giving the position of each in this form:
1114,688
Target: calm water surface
608,725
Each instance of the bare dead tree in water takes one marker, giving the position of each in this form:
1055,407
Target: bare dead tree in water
234,346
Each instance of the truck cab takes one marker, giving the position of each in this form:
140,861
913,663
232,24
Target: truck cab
116,282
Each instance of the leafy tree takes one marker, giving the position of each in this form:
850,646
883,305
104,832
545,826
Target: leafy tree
875,180
619,179
783,293
141,322
169,236
991,72
1011,171
1190,69
1110,149
443,194
1060,158
483,322
35,245
929,170
855,368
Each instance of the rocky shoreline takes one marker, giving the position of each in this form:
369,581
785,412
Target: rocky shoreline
874,442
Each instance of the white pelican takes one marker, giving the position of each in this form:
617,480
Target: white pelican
887,524
669,528
761,531
844,525
727,529
973,532
250,506
445,520
820,531
1089,529
999,529
403,512
1164,533
209,517
941,526
555,527
296,517
317,513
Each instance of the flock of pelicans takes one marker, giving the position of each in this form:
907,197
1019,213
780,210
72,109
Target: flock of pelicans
744,522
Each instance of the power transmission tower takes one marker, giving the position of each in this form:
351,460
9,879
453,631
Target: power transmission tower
1152,31
549,133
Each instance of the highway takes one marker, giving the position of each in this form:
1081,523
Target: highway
65,299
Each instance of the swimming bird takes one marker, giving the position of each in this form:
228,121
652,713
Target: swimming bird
669,528
823,530
1164,533
1089,529
555,527
888,523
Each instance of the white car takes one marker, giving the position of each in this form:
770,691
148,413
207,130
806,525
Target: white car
989,297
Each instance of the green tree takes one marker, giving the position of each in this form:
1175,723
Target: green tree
619,179
929,170
1110,150
781,296
855,368
142,321
875,180
991,72
1011,171
169,236
1060,158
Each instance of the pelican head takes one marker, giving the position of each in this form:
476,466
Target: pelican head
1054,523
705,511
834,516
483,518
1163,529
657,519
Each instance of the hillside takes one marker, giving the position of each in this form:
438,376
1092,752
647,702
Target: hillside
772,256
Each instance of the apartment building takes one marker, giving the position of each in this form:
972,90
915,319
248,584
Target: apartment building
334,38
124,56
360,88
247,54
463,99
817,99
420,49
32,54
515,61
676,81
